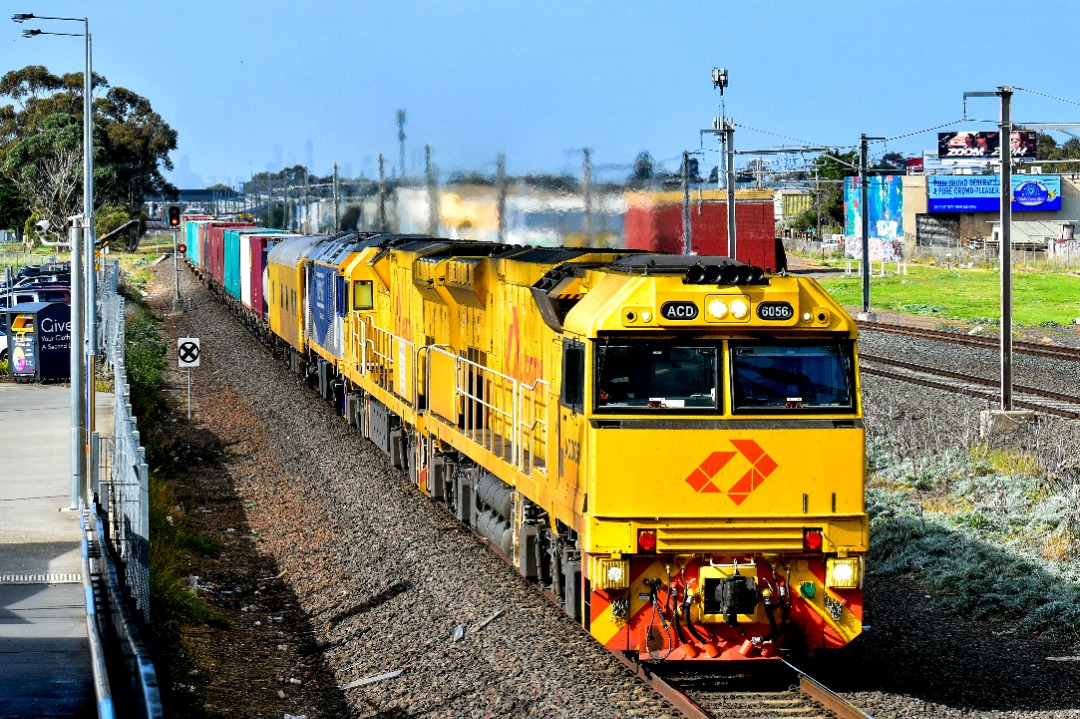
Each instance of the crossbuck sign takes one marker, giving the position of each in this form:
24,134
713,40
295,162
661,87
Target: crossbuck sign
188,352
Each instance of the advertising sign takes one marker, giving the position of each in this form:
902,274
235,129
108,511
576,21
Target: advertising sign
981,193
24,355
978,145
885,206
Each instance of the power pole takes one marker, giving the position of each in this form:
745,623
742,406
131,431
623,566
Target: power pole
586,186
1005,249
864,222
382,193
433,193
687,245
401,139
307,202
864,183
1004,239
335,228
500,189
729,141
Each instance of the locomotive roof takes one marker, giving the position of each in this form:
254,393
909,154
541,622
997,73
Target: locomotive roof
546,255
337,247
292,250
648,264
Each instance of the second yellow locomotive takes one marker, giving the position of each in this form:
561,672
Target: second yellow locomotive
671,446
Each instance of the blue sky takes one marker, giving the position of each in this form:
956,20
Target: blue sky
250,85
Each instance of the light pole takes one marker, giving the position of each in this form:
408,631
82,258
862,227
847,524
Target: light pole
82,375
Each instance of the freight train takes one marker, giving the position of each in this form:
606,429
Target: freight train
670,446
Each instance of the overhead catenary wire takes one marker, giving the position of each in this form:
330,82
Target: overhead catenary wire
1043,94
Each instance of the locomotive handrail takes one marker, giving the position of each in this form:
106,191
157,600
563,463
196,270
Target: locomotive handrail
526,428
479,412
382,368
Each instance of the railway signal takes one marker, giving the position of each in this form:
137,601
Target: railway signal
174,216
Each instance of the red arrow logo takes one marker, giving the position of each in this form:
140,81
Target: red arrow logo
761,466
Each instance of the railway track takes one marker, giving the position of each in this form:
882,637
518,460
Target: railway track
1033,398
991,343
757,691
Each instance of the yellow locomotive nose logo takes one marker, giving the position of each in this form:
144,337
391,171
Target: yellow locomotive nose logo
761,466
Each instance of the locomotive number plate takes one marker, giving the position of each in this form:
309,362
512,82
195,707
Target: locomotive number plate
775,311
684,311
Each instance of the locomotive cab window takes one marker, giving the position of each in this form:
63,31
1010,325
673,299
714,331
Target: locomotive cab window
573,375
792,377
649,378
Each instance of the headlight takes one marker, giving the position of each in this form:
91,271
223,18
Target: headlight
842,573
739,309
717,309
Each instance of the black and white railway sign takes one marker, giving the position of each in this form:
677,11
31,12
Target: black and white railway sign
188,352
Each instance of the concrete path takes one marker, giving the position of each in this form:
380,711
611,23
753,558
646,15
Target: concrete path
45,668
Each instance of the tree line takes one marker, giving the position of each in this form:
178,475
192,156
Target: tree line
41,152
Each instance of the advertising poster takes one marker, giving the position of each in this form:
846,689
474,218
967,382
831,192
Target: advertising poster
981,193
24,359
967,145
885,200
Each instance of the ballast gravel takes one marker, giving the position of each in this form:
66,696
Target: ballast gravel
400,612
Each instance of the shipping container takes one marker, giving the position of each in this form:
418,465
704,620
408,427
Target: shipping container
215,250
234,245
654,222
253,251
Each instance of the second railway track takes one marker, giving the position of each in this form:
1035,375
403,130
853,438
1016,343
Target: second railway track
1033,398
1028,348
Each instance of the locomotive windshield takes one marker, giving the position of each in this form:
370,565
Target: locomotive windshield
652,377
792,376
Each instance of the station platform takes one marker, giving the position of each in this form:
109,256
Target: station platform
45,661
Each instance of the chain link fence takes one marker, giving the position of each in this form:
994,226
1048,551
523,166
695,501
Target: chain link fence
125,489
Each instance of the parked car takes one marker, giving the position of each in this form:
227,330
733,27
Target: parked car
37,293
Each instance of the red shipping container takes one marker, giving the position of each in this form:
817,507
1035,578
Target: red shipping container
260,246
657,226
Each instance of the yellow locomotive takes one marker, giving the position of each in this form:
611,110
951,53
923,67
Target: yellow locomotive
671,446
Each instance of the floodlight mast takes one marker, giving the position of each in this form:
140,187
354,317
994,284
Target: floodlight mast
725,131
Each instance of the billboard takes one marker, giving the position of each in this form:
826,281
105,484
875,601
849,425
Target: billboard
981,193
885,205
977,145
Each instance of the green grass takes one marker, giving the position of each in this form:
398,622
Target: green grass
971,295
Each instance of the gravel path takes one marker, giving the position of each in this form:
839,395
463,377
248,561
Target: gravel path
382,577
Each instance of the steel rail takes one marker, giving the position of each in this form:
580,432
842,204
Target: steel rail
923,375
1029,348
974,379
825,696
805,694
